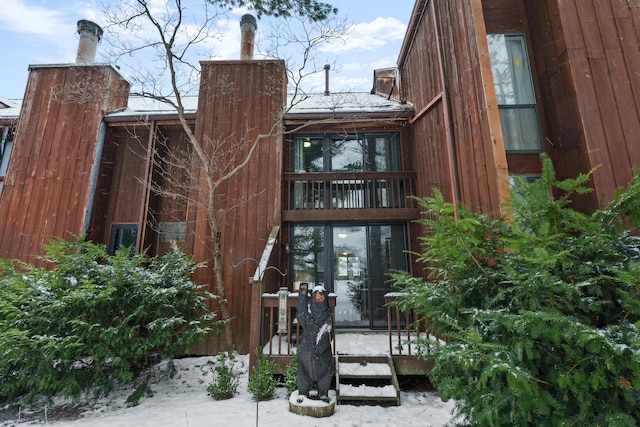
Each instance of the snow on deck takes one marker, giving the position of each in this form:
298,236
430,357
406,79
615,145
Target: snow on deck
354,342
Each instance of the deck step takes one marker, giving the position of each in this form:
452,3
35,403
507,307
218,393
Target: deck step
366,379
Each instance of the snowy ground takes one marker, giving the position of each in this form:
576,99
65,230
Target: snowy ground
183,401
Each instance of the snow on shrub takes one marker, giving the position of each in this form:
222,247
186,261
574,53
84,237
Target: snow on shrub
540,311
94,321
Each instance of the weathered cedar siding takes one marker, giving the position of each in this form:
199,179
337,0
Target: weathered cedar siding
480,163
509,17
587,55
238,101
120,189
47,189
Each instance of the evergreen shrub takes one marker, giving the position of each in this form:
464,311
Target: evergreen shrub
92,321
290,380
540,312
225,381
262,381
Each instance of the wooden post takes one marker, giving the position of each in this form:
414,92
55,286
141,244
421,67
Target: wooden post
256,321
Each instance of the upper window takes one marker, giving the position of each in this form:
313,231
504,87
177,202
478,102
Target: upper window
6,141
356,153
513,82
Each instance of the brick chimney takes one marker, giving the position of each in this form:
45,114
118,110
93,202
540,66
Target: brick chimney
248,26
90,34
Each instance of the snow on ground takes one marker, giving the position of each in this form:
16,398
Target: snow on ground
183,401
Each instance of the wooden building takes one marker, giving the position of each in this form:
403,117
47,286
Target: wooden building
481,89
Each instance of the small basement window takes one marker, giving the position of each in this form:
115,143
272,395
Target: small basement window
123,235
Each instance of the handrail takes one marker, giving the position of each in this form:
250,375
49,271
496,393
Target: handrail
266,254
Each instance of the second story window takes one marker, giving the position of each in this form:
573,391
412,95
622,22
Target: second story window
357,153
513,82
361,171
6,141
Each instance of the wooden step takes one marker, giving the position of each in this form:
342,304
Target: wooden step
366,379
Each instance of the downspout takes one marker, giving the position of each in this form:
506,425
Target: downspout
451,149
93,179
144,210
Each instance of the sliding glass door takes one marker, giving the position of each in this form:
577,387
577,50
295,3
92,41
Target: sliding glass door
352,261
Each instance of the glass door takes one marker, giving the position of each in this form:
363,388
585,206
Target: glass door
354,262
350,276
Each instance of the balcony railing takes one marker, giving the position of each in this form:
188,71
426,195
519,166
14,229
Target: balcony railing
349,190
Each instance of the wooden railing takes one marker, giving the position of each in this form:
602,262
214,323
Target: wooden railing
404,328
349,190
280,343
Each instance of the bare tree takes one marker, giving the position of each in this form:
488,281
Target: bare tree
171,37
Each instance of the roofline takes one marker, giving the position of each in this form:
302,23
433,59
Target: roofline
73,64
355,116
147,117
416,16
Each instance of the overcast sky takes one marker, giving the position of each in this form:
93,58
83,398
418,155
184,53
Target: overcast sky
44,32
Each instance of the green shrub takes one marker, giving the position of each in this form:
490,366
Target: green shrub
541,312
262,381
225,382
290,381
93,321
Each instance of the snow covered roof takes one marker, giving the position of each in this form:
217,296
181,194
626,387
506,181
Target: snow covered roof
336,105
9,108
347,104
143,108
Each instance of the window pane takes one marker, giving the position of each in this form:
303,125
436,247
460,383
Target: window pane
123,235
308,155
520,129
383,153
308,255
511,69
4,157
347,155
387,249
514,92
350,282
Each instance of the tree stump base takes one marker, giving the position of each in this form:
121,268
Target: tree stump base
312,407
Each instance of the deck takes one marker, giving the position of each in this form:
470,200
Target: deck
279,332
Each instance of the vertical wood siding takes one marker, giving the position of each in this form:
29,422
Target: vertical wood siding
480,166
120,188
588,59
238,101
47,189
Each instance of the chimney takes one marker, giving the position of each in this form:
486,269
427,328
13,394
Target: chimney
248,26
327,67
90,34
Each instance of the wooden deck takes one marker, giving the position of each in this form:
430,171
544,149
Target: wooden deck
398,342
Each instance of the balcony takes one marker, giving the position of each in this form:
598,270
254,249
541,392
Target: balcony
349,196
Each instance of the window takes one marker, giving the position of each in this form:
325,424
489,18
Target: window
123,235
354,262
6,143
354,153
349,154
170,235
513,83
